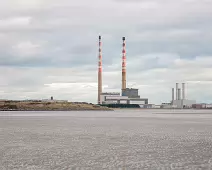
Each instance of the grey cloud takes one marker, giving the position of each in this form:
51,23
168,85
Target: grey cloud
8,60
82,49
67,34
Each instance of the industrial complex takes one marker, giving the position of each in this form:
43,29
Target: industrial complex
181,102
130,96
127,95
178,101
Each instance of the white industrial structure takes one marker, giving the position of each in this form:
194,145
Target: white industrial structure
181,102
116,98
112,98
177,91
167,106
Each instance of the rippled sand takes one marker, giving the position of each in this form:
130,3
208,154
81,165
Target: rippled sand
123,139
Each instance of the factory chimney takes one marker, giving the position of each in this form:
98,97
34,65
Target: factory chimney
100,71
124,64
179,94
177,91
172,95
183,91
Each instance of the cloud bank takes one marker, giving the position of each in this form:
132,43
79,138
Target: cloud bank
49,48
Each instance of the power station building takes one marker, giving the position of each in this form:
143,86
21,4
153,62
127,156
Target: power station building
128,95
181,102
131,93
116,98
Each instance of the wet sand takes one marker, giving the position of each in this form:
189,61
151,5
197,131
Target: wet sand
131,139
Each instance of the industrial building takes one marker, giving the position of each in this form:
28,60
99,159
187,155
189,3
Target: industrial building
116,98
181,102
131,93
167,106
128,95
202,106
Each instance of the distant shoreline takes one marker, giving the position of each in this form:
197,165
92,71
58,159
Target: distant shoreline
54,110
49,106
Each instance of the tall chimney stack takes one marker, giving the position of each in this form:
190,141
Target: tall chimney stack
100,71
124,64
183,91
179,94
177,91
172,95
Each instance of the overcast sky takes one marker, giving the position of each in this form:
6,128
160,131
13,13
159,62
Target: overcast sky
49,48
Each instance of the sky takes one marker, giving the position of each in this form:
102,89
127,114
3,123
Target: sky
50,48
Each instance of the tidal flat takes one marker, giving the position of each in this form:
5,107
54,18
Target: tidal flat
122,139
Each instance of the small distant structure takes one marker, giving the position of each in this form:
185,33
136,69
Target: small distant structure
199,106
202,106
53,100
149,106
208,106
167,106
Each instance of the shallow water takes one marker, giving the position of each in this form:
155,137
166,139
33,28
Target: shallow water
131,139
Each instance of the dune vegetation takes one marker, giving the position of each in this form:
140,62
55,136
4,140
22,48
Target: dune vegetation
48,106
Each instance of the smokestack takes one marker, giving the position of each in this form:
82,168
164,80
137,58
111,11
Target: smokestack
124,64
100,71
179,94
172,95
183,91
177,91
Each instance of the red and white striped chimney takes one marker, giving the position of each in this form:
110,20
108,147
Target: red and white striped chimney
124,64
100,71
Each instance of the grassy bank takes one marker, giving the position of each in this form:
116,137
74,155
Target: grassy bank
48,106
